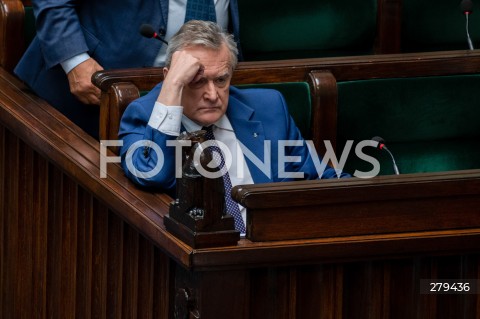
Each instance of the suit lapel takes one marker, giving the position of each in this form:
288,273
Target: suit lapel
251,134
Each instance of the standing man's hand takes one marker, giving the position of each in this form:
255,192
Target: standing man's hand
80,80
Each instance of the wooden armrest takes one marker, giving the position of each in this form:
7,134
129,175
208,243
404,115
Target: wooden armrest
119,95
324,109
143,78
12,44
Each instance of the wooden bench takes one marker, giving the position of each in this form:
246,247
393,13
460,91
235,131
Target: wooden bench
324,77
424,105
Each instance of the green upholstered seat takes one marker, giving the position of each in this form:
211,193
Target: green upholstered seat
432,25
430,123
279,29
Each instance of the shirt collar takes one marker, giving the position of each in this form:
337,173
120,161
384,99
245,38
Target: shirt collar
190,126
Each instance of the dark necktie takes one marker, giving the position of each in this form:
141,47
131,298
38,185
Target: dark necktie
200,10
232,206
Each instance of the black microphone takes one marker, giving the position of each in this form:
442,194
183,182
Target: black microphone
147,31
466,6
379,143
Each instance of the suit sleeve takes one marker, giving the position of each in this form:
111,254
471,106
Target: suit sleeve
59,30
146,158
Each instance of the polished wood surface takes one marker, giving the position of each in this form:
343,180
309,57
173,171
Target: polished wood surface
381,205
12,44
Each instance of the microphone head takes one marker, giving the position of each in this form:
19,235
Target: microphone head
466,6
378,139
147,31
379,142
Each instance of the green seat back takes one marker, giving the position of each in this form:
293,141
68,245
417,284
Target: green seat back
29,30
297,97
429,123
432,25
280,29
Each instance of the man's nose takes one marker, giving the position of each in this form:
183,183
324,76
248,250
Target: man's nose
211,91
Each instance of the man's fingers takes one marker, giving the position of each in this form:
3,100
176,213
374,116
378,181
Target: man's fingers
80,82
199,74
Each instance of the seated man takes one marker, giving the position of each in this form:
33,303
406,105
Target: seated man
196,94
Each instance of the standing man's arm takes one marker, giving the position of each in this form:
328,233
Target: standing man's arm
63,42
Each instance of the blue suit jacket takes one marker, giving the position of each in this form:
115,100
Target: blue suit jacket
107,29
256,115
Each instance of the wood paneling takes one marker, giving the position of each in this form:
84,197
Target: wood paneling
64,254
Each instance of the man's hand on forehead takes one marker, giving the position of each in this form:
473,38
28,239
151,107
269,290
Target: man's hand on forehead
199,75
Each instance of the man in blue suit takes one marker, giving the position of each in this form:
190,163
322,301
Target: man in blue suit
77,38
253,124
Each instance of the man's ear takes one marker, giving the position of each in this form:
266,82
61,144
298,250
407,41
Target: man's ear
165,72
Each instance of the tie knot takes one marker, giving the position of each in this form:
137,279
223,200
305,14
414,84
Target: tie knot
209,132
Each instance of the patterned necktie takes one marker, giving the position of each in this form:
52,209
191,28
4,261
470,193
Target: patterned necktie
232,206
200,10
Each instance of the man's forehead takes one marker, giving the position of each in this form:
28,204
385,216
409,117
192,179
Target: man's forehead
216,61
217,70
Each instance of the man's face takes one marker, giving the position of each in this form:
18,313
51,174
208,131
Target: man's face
206,99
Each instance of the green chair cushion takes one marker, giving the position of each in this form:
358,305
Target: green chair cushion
272,29
429,123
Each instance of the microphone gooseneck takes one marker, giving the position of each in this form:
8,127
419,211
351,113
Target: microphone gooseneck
466,7
149,32
380,144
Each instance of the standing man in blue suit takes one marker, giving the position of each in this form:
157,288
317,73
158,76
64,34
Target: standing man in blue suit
77,38
196,93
